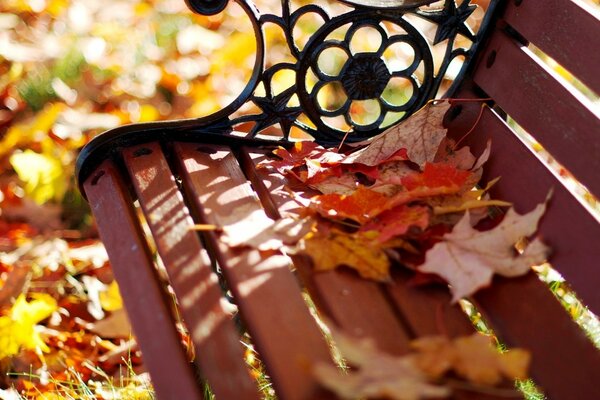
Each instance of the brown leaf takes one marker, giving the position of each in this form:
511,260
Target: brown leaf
116,325
420,135
467,259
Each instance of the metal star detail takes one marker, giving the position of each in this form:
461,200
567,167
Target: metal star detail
451,20
275,110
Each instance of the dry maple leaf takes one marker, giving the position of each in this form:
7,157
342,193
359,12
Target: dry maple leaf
471,357
420,135
437,175
377,374
397,221
361,205
360,251
467,259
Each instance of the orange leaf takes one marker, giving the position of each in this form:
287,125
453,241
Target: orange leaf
437,175
360,206
397,221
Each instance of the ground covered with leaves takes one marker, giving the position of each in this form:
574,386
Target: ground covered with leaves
69,70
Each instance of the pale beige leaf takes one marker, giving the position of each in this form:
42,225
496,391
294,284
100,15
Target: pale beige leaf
420,135
467,259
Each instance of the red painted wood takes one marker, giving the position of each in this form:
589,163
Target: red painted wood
219,354
566,30
146,303
357,306
567,227
427,309
523,311
265,289
558,118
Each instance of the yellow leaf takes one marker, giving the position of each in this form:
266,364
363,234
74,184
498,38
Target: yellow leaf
361,252
25,133
42,174
17,330
111,300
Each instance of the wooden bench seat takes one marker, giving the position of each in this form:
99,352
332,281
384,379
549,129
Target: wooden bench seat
182,181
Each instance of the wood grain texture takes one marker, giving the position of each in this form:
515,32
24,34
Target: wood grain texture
263,286
522,311
144,298
357,306
560,119
566,30
219,353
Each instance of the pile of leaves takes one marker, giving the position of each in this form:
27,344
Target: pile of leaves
409,196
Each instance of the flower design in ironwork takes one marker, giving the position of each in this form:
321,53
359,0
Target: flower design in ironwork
364,76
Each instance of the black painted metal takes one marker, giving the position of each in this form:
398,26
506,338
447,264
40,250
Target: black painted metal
364,75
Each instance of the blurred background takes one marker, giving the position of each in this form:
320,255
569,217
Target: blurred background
70,69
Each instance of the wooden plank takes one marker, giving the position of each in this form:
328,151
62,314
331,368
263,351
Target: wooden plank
567,227
560,119
219,354
566,30
147,306
357,306
523,311
265,289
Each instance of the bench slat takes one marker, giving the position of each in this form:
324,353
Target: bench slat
569,229
172,375
270,300
523,311
528,92
427,309
566,30
336,292
219,354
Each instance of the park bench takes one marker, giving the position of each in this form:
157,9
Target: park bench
203,172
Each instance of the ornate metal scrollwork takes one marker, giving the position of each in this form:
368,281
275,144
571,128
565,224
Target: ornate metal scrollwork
364,76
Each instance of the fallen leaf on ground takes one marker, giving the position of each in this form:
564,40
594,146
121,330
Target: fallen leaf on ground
17,329
116,325
420,135
467,258
360,251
